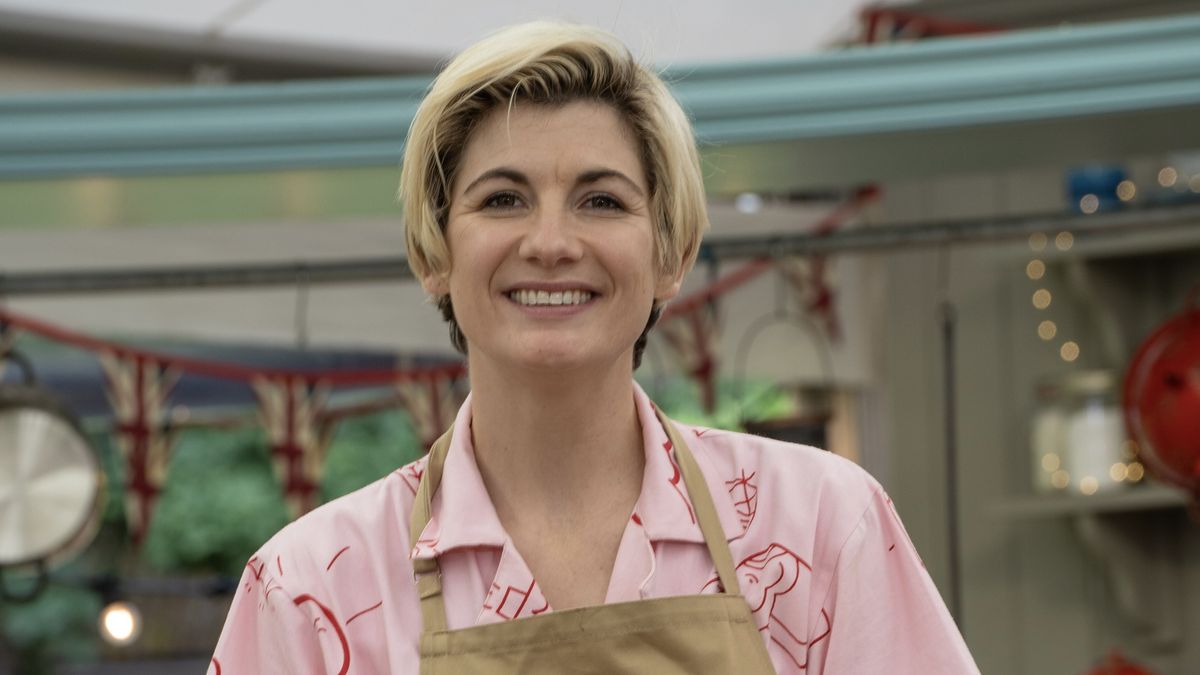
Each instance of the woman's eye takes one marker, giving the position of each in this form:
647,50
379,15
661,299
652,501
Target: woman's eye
502,200
604,203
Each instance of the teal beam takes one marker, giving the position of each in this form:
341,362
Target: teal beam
827,105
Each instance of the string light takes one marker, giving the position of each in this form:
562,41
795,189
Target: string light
1036,269
1118,472
1064,241
1135,472
1089,203
1069,351
1047,330
1167,176
1126,190
1089,485
1051,462
1060,479
1037,241
1041,298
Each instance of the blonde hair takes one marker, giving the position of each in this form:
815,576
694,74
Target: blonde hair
550,63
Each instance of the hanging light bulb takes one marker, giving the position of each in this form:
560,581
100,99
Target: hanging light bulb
120,623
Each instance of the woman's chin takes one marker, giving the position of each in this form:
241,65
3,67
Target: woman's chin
553,361
559,359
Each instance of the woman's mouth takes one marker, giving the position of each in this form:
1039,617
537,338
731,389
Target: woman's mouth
535,298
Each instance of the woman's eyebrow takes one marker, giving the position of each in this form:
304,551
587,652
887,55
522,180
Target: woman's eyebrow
589,176
499,172
594,175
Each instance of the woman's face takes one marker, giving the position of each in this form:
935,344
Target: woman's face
551,239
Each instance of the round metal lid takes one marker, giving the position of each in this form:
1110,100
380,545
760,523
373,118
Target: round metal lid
50,480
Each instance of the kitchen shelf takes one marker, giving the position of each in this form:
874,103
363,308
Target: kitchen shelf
1148,497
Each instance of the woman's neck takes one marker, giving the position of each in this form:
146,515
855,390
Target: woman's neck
556,446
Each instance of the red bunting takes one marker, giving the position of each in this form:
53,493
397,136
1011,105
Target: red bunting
138,388
432,400
291,410
292,406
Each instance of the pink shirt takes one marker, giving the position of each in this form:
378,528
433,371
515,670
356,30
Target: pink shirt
828,570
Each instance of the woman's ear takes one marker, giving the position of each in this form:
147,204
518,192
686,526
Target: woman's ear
669,285
436,284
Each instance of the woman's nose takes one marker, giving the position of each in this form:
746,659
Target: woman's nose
550,239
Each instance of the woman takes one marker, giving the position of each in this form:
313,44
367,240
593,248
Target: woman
553,204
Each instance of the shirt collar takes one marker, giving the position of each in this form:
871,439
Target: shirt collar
664,506
463,515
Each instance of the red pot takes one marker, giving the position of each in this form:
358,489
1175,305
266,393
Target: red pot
1162,400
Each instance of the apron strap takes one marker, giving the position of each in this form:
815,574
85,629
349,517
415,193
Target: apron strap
428,574
426,571
706,513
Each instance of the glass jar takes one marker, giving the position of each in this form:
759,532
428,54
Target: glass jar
1077,436
1093,432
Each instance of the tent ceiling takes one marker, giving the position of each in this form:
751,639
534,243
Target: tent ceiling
1069,94
379,36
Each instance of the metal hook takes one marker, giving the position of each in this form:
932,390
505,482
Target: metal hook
22,363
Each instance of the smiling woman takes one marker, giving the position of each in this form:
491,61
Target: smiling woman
554,206
553,203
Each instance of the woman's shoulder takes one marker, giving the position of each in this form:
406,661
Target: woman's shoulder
364,524
781,459
785,478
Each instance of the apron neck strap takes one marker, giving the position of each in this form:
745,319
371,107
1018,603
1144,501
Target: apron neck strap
702,503
428,574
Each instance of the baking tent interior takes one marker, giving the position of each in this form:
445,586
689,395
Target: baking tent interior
976,132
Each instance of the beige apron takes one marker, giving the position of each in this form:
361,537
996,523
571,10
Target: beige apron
686,634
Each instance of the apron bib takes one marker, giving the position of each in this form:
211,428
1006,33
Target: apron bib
687,634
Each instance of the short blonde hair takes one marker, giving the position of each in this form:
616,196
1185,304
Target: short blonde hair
550,63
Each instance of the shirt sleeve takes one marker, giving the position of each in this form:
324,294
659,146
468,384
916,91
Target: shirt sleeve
884,613
267,631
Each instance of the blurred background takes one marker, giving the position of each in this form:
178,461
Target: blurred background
957,241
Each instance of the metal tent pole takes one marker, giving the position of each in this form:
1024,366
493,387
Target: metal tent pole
863,239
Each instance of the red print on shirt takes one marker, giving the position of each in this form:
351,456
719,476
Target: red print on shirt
411,475
765,577
675,478
745,497
329,618
900,527
511,602
325,622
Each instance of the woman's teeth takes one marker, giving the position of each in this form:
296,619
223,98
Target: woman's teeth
536,298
